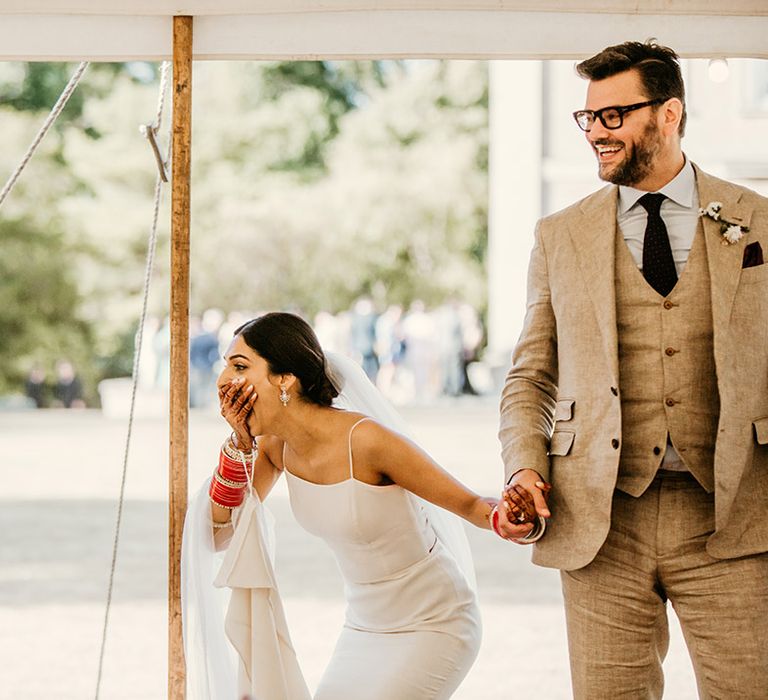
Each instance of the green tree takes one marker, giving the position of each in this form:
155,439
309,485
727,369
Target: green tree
39,302
340,87
400,210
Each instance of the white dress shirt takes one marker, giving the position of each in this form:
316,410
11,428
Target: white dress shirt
680,213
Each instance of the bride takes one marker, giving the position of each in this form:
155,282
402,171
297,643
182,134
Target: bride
412,627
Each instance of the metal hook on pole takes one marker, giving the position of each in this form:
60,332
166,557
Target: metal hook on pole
150,131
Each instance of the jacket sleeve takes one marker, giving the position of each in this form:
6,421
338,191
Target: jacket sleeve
530,390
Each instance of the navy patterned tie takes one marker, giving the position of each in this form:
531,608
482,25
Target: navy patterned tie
658,263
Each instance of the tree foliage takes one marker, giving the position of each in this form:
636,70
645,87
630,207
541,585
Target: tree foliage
313,183
400,210
39,304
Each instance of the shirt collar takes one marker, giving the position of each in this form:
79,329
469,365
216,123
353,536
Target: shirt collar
680,189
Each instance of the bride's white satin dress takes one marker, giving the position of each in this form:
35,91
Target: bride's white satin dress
412,628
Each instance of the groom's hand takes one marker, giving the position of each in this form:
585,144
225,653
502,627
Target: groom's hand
529,483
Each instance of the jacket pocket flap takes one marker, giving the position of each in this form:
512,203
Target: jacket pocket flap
564,409
561,442
761,430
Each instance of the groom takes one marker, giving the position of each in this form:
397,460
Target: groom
639,389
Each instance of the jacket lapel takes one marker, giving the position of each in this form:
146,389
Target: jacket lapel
593,235
724,260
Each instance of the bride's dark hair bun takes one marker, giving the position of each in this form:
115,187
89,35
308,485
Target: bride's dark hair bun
321,390
290,346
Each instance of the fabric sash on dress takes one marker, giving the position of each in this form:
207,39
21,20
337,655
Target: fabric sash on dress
255,621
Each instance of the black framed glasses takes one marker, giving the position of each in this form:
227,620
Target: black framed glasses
611,117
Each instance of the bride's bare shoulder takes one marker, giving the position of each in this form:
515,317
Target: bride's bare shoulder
361,427
369,434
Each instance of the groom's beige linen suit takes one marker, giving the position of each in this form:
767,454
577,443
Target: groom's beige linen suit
606,369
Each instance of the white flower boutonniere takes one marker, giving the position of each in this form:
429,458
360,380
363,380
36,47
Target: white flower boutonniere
731,231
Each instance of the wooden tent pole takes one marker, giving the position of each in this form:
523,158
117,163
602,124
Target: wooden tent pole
179,389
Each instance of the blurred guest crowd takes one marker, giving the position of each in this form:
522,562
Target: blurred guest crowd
64,391
412,355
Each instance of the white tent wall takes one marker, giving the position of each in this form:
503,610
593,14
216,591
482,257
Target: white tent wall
113,31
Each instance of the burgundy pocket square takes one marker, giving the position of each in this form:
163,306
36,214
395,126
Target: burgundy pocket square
753,256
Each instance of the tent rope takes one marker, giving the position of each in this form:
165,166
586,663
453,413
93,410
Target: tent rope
151,245
47,124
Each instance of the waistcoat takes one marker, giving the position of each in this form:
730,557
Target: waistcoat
667,380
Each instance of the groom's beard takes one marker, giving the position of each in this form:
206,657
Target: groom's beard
637,166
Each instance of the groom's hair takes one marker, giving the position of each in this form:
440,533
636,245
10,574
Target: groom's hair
658,67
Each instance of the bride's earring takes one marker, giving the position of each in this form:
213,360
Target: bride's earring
284,398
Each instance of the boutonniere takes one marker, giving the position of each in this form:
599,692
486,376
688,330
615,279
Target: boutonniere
731,231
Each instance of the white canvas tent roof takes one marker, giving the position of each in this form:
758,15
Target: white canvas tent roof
301,29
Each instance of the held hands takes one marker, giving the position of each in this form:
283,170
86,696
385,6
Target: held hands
236,401
523,501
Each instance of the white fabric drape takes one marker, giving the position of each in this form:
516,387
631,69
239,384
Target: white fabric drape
249,651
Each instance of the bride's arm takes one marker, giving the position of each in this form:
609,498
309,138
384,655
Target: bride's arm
407,465
236,400
266,472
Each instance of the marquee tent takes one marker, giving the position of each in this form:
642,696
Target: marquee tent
114,30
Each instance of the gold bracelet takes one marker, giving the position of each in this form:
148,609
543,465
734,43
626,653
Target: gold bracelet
216,503
229,449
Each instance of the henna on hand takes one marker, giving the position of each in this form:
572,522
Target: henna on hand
236,402
520,504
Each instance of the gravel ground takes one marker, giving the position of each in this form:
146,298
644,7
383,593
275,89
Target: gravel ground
60,476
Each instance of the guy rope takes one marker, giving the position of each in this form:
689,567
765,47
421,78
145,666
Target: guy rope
151,132
47,124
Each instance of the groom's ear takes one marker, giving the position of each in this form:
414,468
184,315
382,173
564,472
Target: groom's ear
671,113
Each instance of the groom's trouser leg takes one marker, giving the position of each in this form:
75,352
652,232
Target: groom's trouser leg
656,548
722,603
615,610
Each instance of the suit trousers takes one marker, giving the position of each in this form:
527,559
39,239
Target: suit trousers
616,605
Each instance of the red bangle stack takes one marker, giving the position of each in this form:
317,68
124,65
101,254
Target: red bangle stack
228,484
233,470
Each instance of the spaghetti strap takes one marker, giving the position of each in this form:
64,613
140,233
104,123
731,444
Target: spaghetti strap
285,444
351,470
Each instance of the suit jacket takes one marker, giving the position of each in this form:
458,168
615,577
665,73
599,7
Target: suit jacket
560,407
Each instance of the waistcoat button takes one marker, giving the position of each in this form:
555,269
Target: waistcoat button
668,304
670,351
615,444
614,391
670,402
657,450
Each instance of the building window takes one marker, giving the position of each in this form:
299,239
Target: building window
755,87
